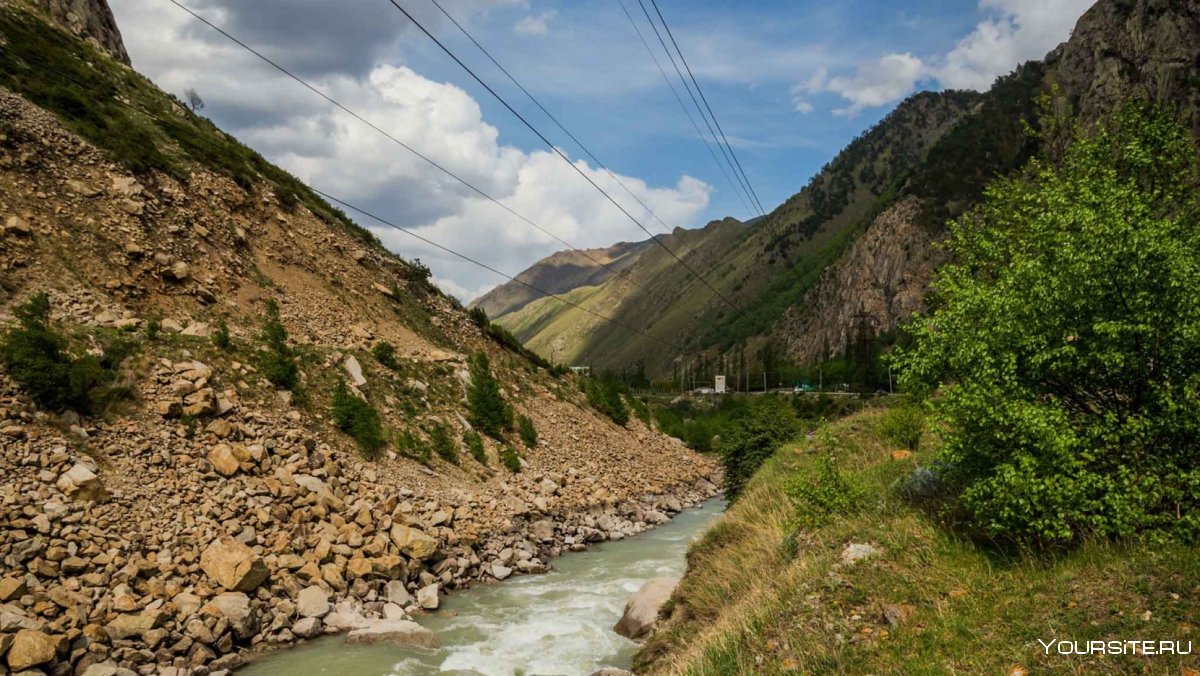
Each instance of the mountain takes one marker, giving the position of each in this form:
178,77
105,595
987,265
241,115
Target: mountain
254,408
853,252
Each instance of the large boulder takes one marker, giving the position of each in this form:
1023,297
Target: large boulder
312,602
396,632
134,624
641,612
235,607
81,483
414,542
427,596
233,565
31,647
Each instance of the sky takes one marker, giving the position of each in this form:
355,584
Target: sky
791,83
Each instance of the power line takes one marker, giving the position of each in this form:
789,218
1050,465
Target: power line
705,100
427,159
708,146
553,119
560,153
696,103
352,207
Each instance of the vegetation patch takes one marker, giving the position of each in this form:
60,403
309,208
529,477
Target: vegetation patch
527,431
474,444
490,413
443,444
359,419
277,362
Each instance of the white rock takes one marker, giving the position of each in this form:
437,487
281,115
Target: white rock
641,612
312,602
427,597
397,632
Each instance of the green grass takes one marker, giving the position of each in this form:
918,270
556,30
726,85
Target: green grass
766,592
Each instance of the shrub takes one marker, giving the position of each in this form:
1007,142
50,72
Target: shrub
478,316
153,328
1066,343
528,432
753,437
37,358
474,444
278,362
385,354
820,497
640,408
413,446
359,419
221,338
490,414
903,425
443,444
510,459
604,394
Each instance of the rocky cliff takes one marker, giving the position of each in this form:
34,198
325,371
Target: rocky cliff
91,20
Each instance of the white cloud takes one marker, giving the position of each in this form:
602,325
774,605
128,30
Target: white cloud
334,152
873,84
1012,32
535,24
1018,31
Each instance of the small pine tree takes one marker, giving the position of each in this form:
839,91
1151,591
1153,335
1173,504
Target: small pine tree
153,327
511,460
443,444
221,338
359,419
474,444
412,446
489,412
385,354
528,432
279,362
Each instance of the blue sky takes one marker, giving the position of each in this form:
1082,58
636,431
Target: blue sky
791,83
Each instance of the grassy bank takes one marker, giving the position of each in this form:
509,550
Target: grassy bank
767,591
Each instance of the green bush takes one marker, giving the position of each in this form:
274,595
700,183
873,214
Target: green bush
819,498
640,408
903,425
510,459
1066,343
278,362
604,394
474,444
413,446
753,437
490,414
37,358
221,338
385,354
153,328
443,444
359,419
528,432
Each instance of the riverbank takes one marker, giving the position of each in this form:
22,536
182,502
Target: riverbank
851,577
560,622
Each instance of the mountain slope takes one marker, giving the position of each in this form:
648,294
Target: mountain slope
179,524
855,249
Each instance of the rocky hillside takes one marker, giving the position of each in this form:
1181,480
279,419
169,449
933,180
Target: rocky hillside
857,246
201,513
91,20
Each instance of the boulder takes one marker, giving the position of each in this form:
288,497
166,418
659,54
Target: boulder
395,632
855,552
224,460
543,530
312,602
107,669
307,628
18,225
427,597
354,370
12,588
198,330
501,572
235,607
397,593
233,565
134,624
641,612
81,483
31,647
413,541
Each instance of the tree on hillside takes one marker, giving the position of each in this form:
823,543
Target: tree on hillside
490,414
1066,342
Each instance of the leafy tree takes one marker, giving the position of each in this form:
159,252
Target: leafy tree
278,363
1066,340
489,412
528,432
359,419
753,437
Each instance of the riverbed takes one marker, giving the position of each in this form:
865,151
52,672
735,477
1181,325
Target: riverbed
559,622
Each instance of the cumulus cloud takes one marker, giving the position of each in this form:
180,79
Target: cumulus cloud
1017,31
1012,32
872,84
535,24
336,153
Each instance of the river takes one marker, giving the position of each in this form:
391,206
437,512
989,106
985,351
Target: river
559,622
